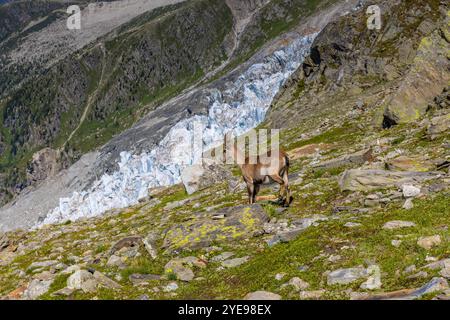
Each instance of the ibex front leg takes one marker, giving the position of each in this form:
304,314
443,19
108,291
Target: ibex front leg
251,191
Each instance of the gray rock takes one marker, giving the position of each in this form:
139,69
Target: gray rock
222,256
316,294
429,242
373,282
408,205
235,262
420,274
410,191
150,244
238,222
36,288
398,224
82,280
352,225
396,243
173,286
262,295
438,265
357,158
367,180
438,125
139,279
345,276
299,226
181,267
435,285
105,281
42,264
298,284
63,292
280,276
127,242
115,261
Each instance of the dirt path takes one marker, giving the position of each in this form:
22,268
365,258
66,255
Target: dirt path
91,98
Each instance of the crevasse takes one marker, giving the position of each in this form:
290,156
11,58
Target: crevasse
238,108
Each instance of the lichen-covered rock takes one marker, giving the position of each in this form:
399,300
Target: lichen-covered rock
424,81
233,223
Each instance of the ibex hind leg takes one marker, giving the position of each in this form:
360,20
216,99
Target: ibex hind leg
288,200
280,181
251,191
256,188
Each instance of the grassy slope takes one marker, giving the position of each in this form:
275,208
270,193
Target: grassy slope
358,246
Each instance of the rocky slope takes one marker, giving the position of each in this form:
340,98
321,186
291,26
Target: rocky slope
369,174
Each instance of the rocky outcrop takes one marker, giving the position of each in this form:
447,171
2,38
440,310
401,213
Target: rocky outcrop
406,60
44,164
426,78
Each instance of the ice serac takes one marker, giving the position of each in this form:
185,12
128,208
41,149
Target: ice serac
239,107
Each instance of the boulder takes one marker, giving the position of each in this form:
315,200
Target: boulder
200,176
36,288
423,82
203,228
410,191
367,180
82,280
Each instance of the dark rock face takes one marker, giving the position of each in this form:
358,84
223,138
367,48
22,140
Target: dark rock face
348,61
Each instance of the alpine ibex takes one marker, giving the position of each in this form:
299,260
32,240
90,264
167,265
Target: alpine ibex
274,165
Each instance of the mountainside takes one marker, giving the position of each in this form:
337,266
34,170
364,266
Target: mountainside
120,68
112,209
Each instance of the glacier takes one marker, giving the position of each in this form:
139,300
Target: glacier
241,106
